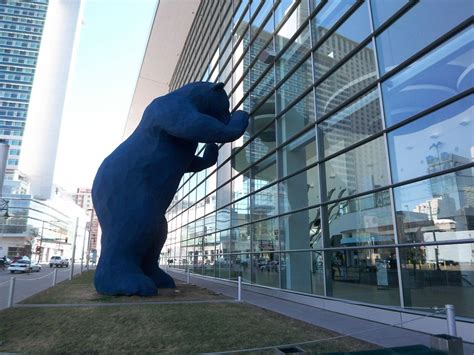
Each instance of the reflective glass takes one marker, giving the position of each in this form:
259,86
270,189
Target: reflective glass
437,275
265,203
262,14
296,118
441,140
298,230
347,36
299,191
240,266
240,238
361,169
439,75
353,123
293,54
299,153
240,212
266,267
299,274
364,275
392,45
382,10
291,26
325,19
361,221
436,209
263,88
294,86
263,50
353,76
264,172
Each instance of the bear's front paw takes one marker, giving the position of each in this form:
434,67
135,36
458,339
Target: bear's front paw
211,152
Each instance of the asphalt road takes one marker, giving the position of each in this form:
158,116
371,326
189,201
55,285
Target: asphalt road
27,285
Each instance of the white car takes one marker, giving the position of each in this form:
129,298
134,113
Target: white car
21,265
35,267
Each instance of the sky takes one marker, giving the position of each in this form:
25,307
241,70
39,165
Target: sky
112,42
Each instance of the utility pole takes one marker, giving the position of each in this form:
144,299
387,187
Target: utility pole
74,250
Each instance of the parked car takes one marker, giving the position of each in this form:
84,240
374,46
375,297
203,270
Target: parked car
58,261
20,265
35,267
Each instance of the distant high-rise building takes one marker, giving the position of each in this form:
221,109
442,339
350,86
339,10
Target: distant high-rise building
83,198
37,44
21,31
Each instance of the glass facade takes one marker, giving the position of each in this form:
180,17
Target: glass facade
21,28
355,177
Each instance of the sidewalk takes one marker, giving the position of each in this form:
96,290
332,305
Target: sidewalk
373,332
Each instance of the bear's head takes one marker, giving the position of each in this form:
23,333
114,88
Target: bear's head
198,112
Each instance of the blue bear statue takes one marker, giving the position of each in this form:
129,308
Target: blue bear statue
136,183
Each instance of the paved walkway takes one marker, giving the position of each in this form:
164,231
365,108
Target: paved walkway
373,332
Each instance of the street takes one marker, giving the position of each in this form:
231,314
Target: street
27,285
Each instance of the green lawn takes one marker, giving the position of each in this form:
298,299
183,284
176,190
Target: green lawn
153,328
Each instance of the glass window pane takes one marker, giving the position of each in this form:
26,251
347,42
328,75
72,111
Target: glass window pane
288,30
296,118
353,76
382,10
265,203
294,86
262,14
437,209
328,16
361,169
299,153
439,75
241,212
361,221
240,266
297,230
357,121
293,54
441,140
300,191
437,275
264,172
298,273
263,50
240,238
263,88
266,267
354,30
392,45
364,275
241,186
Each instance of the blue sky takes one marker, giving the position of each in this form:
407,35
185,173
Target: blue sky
112,42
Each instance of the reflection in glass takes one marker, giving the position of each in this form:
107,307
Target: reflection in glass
357,121
436,275
364,275
299,230
439,75
392,45
299,191
436,209
361,221
240,266
240,212
361,169
264,172
296,118
382,10
240,239
265,203
353,76
294,86
263,88
293,54
302,272
348,36
441,140
328,16
299,153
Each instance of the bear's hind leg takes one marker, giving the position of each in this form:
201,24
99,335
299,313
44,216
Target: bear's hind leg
118,276
150,261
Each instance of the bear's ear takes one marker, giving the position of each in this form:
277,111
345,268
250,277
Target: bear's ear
218,86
